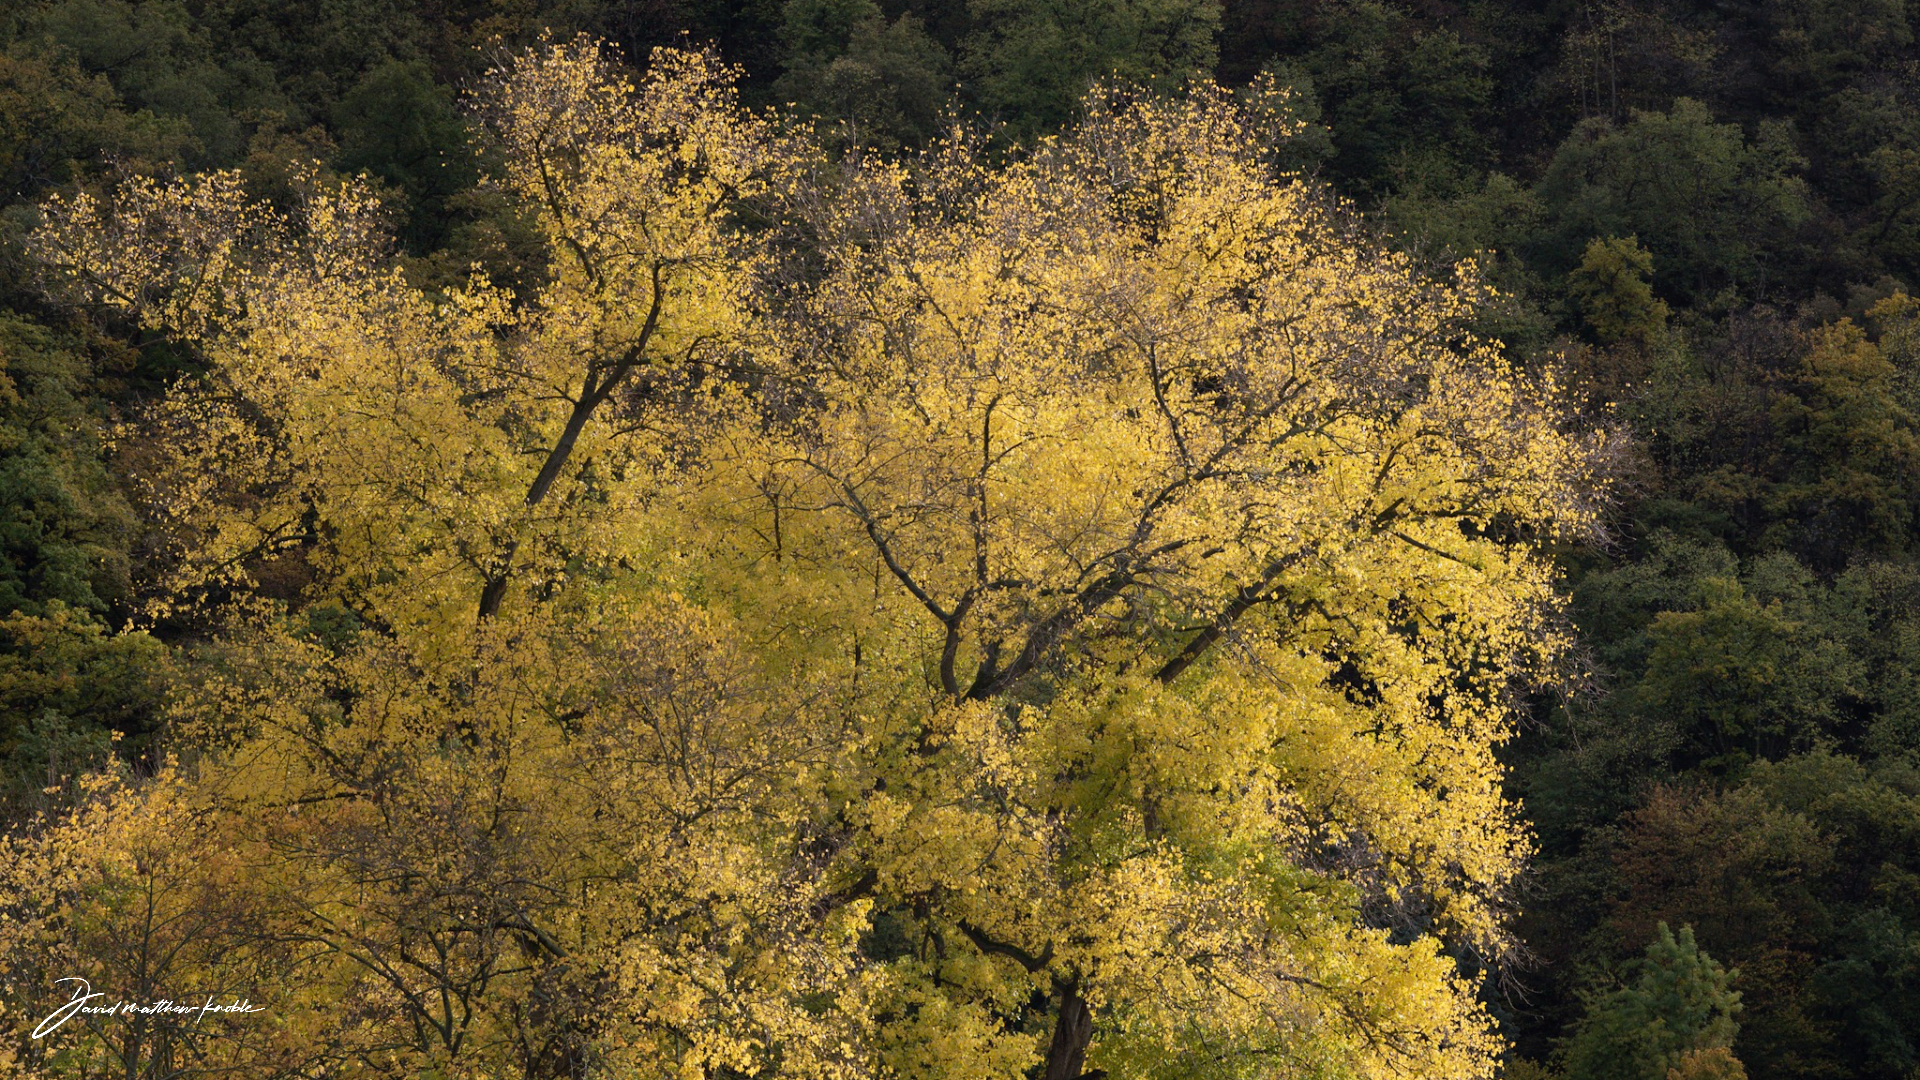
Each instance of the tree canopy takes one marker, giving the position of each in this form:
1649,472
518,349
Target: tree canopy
898,616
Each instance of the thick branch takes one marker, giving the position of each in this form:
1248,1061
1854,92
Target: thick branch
1242,602
1431,550
597,388
1033,964
989,681
593,394
952,647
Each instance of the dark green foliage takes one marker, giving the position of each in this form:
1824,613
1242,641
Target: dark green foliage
1678,1004
1848,477
64,528
1803,877
400,127
887,82
1821,45
1407,96
163,61
1402,100
69,692
1032,60
1714,207
1801,440
56,121
1618,57
68,687
1716,666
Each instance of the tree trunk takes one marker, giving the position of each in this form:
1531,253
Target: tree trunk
1072,1030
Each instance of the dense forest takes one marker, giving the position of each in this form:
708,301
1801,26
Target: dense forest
1509,412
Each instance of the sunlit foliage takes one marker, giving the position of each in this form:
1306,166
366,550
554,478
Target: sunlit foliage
850,619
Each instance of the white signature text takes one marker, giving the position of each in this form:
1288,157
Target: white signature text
85,1003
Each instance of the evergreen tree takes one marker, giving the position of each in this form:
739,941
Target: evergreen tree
1678,1007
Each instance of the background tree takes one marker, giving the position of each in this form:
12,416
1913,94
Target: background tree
1677,1011
887,81
1615,298
1712,207
398,125
1033,62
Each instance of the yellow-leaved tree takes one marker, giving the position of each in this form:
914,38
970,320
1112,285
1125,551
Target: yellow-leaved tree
910,618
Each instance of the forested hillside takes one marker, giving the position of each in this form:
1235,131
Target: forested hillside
1131,538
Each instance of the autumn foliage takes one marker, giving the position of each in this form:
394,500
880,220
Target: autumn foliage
848,618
